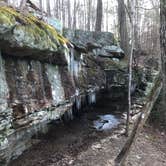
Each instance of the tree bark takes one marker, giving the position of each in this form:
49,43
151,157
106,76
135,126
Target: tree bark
69,14
136,28
23,4
63,13
131,13
41,6
74,15
124,39
163,51
48,8
99,15
107,10
89,14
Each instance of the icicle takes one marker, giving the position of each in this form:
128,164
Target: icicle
72,62
82,57
77,100
67,56
76,68
92,98
77,92
70,114
4,91
56,84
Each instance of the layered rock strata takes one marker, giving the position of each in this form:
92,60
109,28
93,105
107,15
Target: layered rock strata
45,76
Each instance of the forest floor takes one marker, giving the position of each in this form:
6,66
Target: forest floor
96,150
78,143
149,149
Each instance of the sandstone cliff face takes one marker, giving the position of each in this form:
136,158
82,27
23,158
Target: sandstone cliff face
44,76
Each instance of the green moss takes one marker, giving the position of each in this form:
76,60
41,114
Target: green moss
5,19
30,31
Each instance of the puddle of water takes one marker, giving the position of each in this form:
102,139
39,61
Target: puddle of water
106,122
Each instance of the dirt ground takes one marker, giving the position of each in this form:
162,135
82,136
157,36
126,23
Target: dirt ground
149,149
79,144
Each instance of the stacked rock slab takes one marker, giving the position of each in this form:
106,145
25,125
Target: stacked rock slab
43,77
100,53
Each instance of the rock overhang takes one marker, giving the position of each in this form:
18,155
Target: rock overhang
100,43
24,35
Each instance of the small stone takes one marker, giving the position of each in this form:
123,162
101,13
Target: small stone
96,146
138,157
71,162
162,133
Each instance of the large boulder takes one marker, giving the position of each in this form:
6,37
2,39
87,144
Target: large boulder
100,43
26,36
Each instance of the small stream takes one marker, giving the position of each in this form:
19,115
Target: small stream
106,122
65,140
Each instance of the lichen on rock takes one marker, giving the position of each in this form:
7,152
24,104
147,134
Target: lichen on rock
26,32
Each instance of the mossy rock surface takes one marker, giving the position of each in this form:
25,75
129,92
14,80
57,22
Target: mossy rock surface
26,35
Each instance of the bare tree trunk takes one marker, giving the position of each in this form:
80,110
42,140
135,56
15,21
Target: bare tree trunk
63,13
163,52
89,14
56,9
131,14
84,15
107,17
7,1
124,39
74,15
99,15
93,15
23,4
41,6
136,28
48,8
69,14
